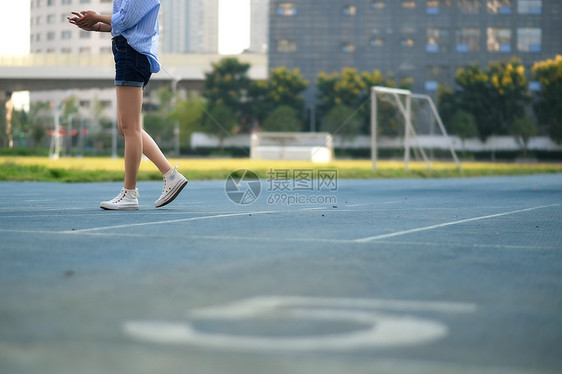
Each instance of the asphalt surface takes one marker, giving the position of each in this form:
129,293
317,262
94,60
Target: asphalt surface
381,276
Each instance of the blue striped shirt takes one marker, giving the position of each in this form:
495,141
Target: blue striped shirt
137,21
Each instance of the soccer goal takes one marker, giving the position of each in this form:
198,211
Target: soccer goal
302,146
403,120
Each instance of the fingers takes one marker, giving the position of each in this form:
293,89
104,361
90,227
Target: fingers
78,15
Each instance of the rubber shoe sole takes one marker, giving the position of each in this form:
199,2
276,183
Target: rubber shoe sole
174,194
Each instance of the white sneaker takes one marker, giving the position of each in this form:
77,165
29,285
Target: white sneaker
126,200
174,182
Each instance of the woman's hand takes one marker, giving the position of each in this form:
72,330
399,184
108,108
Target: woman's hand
86,20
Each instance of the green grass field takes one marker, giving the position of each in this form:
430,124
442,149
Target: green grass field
106,169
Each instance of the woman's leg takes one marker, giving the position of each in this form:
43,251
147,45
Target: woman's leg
154,154
129,107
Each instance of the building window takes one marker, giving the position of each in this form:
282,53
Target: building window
435,75
286,9
50,19
51,36
105,50
433,7
50,2
85,35
66,2
437,40
350,10
66,50
407,41
50,50
499,40
378,4
85,1
85,50
468,40
499,6
529,40
529,6
408,4
534,86
348,48
66,35
286,46
377,41
469,6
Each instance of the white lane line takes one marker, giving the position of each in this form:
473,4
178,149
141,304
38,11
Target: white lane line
164,222
405,232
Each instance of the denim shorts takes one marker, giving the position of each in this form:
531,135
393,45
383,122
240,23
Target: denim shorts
131,67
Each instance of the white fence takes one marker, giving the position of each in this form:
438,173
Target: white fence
494,143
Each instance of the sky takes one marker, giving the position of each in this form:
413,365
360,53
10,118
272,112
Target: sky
234,26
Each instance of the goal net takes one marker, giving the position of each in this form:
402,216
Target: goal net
302,146
401,120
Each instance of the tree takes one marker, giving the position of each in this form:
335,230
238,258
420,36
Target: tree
447,106
509,88
283,118
524,129
548,103
464,126
344,121
39,117
476,98
353,89
228,85
221,123
189,114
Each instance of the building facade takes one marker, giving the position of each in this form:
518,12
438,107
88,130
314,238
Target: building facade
259,26
51,33
427,40
189,26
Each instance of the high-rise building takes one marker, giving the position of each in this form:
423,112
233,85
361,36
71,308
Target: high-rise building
51,33
189,26
259,26
427,40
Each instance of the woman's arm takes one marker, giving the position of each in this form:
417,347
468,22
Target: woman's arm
91,21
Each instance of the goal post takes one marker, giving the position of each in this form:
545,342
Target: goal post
410,122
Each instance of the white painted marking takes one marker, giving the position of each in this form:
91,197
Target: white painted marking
375,329
165,222
432,227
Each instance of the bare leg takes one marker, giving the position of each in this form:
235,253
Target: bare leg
129,107
154,154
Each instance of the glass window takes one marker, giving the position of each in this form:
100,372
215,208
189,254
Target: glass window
468,40
285,46
65,50
529,6
50,2
408,4
377,41
85,1
469,6
86,50
407,41
85,35
50,18
529,40
50,35
437,40
499,6
378,4
499,40
434,6
66,35
66,2
286,9
435,75
348,48
350,10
